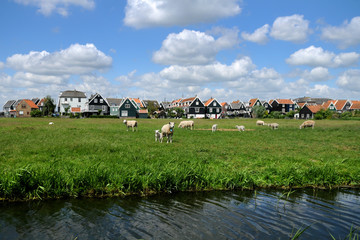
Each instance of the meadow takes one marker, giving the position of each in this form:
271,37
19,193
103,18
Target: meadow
99,158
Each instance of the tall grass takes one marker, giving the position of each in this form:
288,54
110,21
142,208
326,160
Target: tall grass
98,157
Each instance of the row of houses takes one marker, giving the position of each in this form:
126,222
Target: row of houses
76,102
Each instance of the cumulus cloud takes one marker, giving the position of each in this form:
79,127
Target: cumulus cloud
350,80
258,36
193,47
47,7
316,56
318,74
346,35
77,59
291,28
154,13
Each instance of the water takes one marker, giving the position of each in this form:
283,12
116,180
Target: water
206,215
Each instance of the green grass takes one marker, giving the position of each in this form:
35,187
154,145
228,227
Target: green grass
98,157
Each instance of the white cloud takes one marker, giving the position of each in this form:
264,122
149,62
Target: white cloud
154,13
346,35
29,79
193,47
318,74
350,80
2,65
291,28
47,7
316,56
77,59
258,36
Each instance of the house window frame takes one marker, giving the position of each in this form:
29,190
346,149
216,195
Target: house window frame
127,105
104,108
95,100
79,99
101,100
197,110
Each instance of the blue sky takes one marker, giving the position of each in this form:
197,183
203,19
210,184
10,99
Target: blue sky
158,49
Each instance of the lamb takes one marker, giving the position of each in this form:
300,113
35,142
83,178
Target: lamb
214,128
132,124
308,123
259,122
274,125
158,136
167,131
240,128
186,124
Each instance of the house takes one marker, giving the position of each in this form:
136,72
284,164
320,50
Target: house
282,105
224,107
128,109
330,104
309,111
252,103
267,106
41,104
175,103
97,105
72,101
36,100
25,107
342,105
196,109
143,113
237,109
114,105
185,104
311,101
9,106
212,108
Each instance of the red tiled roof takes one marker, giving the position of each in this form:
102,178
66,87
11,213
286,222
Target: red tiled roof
187,99
177,100
238,101
223,103
75,109
284,101
253,101
340,104
209,101
315,108
30,103
143,111
301,105
271,101
355,105
137,101
327,104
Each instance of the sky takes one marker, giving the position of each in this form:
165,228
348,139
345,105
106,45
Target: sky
168,49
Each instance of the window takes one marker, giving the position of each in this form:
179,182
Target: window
71,99
127,105
214,104
23,105
101,100
65,99
197,103
218,110
283,105
210,110
124,113
104,108
197,110
92,107
21,112
79,99
95,100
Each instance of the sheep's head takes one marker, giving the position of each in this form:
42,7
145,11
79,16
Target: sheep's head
172,124
124,121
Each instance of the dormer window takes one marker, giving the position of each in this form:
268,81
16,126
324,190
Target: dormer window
197,102
214,104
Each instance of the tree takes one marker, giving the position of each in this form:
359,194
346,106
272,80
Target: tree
49,106
259,111
36,113
151,107
179,112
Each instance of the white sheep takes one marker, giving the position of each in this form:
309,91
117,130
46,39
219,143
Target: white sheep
158,136
167,131
308,123
274,125
214,128
132,124
240,128
51,123
187,124
259,122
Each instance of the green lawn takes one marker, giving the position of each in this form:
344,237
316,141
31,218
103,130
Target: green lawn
98,157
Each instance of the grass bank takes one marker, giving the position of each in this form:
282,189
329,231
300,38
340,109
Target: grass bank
98,157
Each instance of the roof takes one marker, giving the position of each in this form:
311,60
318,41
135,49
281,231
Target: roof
301,104
209,101
284,101
138,102
114,101
315,108
9,103
328,103
223,104
143,111
177,100
355,105
98,94
252,102
31,103
41,102
188,99
72,93
340,104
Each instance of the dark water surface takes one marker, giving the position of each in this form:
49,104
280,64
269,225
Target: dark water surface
206,215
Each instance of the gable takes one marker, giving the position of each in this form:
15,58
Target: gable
197,103
97,99
128,104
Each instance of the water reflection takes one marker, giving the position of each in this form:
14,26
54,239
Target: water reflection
264,214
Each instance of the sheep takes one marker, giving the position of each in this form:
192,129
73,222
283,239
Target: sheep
51,123
308,123
274,125
214,128
186,124
132,124
240,128
158,136
259,122
167,131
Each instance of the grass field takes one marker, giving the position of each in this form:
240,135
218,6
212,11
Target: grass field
98,157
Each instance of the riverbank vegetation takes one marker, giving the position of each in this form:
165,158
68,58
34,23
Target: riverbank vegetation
98,157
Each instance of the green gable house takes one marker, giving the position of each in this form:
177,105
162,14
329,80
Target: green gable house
114,105
128,109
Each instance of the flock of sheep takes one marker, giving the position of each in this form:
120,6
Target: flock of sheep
168,129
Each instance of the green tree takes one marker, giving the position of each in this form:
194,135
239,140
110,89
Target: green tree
259,111
36,113
179,112
49,106
151,108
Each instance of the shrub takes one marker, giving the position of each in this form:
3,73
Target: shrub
259,111
36,113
